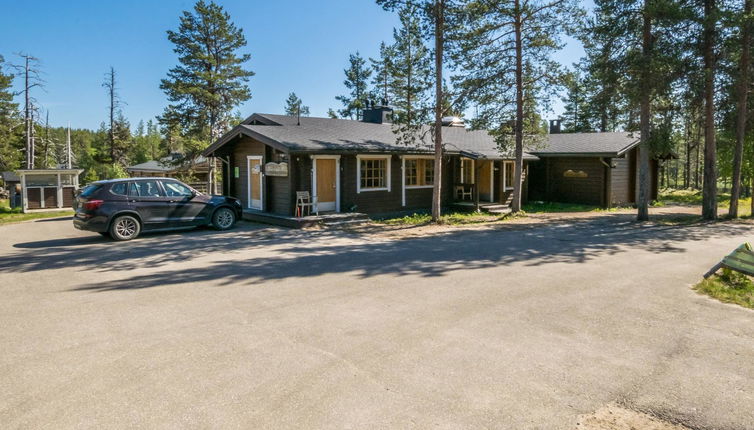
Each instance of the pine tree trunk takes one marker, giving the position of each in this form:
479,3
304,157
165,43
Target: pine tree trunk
709,186
644,149
519,125
439,46
743,92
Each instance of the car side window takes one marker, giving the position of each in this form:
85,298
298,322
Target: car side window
119,188
176,189
144,189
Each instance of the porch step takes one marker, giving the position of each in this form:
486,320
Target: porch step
493,208
347,223
344,219
500,211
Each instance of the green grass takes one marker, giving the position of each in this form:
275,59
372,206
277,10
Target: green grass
694,197
549,207
452,218
8,215
729,287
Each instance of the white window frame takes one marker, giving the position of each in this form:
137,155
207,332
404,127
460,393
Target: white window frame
315,198
405,187
473,173
387,158
506,164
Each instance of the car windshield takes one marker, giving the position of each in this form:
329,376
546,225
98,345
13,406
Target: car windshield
175,189
90,189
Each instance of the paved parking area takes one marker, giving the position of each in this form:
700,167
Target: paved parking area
261,327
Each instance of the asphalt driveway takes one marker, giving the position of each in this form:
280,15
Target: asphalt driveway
260,327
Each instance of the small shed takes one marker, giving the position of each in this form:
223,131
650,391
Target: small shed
48,188
11,188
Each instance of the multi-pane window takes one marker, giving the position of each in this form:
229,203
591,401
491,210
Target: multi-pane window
429,172
467,171
373,173
420,172
509,170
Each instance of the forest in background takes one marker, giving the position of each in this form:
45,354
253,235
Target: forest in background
675,72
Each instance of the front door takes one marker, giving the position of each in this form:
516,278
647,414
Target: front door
326,184
255,183
486,180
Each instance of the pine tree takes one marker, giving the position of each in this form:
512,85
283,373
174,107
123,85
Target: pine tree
639,44
10,123
357,78
709,37
744,86
211,79
294,106
411,78
576,103
437,17
505,55
383,71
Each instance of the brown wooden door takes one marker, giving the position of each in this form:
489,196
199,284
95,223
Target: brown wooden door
485,181
326,184
255,184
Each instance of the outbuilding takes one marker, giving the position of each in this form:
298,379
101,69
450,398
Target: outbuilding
48,189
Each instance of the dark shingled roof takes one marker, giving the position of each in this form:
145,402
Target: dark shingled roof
326,134
9,176
162,165
315,135
589,144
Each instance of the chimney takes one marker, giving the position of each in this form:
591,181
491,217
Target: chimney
378,114
555,126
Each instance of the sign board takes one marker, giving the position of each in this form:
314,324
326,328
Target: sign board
575,174
236,172
276,169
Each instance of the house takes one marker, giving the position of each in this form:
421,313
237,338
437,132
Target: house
361,166
589,168
195,173
11,188
357,166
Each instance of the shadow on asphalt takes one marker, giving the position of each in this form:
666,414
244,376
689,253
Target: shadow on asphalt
297,253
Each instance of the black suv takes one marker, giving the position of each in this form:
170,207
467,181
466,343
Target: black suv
123,208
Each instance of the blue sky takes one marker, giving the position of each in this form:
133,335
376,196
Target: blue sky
295,45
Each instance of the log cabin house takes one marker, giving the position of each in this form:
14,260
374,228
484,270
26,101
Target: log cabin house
599,169
360,166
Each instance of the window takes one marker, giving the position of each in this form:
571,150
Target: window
176,189
41,180
89,190
467,171
509,175
420,172
144,189
119,188
374,174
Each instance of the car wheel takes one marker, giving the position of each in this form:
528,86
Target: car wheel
223,219
125,227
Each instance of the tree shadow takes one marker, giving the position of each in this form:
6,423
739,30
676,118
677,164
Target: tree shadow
304,254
